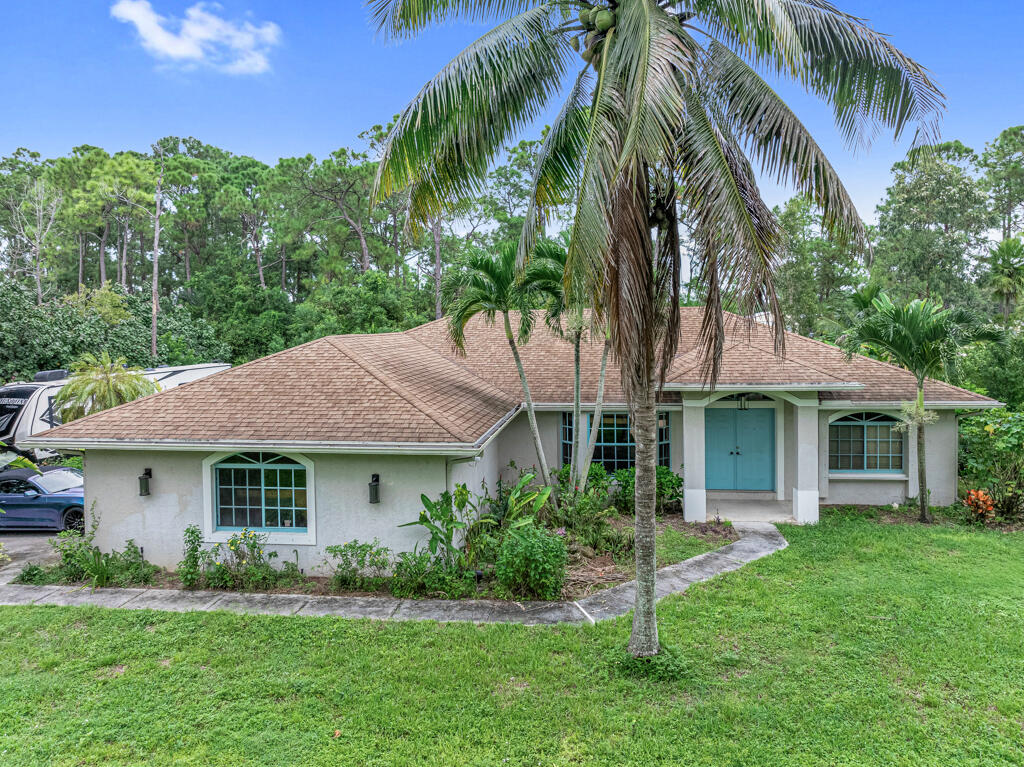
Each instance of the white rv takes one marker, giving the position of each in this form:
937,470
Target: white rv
27,408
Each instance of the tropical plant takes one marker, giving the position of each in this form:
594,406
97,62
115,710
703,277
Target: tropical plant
1006,274
493,286
567,316
441,520
99,383
992,458
654,127
925,339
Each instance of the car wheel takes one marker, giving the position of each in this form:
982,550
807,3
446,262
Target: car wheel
74,519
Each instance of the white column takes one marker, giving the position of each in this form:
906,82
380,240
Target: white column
805,489
695,503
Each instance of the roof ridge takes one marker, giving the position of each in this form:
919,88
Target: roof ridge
401,391
457,362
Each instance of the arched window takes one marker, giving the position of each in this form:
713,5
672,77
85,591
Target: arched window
263,491
865,442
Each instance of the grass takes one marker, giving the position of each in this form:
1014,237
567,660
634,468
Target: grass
861,643
672,545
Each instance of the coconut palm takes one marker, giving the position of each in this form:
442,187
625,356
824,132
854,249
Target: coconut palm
1006,274
492,286
98,383
926,339
665,115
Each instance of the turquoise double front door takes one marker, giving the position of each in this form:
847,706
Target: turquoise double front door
739,448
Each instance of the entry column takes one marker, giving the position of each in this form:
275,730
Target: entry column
805,488
694,493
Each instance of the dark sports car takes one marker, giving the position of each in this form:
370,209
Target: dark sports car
52,500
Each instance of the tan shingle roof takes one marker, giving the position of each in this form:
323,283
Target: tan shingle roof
412,387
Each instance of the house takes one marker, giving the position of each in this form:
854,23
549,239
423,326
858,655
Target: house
336,439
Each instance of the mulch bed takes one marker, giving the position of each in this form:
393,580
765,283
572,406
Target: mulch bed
585,575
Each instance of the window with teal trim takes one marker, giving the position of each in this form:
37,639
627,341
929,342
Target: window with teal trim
263,491
615,448
865,442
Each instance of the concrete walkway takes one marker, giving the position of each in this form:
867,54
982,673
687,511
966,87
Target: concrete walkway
757,539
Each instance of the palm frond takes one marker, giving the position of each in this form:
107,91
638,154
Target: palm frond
407,18
777,139
557,171
445,140
735,231
838,57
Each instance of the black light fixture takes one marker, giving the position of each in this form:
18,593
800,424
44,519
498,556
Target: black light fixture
375,488
144,478
744,403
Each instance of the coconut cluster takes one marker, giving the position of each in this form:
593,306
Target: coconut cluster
598,21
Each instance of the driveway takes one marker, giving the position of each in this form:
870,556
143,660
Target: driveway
23,548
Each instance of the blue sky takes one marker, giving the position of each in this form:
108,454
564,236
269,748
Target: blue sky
274,79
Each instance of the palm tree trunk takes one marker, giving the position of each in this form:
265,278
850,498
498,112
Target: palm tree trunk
922,478
578,429
595,428
530,412
643,642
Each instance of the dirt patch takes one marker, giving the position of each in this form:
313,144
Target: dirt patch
585,575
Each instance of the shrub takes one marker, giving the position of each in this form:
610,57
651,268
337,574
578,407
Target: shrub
3,555
190,568
81,561
241,562
992,459
359,566
668,488
417,574
980,507
531,563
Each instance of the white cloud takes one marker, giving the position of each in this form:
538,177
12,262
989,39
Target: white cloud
202,37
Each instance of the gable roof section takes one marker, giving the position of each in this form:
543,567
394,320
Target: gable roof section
413,390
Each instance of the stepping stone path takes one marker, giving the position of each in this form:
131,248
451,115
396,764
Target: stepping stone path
757,539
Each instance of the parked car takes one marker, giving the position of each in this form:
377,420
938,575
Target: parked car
52,500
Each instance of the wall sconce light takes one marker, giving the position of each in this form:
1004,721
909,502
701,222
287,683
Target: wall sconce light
744,403
375,488
144,478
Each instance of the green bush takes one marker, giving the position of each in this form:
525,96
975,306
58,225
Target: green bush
992,459
417,574
241,562
531,563
667,489
190,568
80,561
359,566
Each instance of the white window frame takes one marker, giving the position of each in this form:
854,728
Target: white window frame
212,535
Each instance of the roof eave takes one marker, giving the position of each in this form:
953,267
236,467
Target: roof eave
467,449
701,387
844,404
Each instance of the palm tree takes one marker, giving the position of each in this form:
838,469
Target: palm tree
492,285
1006,274
98,383
562,307
658,121
924,338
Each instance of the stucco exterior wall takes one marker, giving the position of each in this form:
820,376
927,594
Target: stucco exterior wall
941,458
343,511
515,444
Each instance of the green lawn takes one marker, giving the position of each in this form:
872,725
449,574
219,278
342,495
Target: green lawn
861,643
